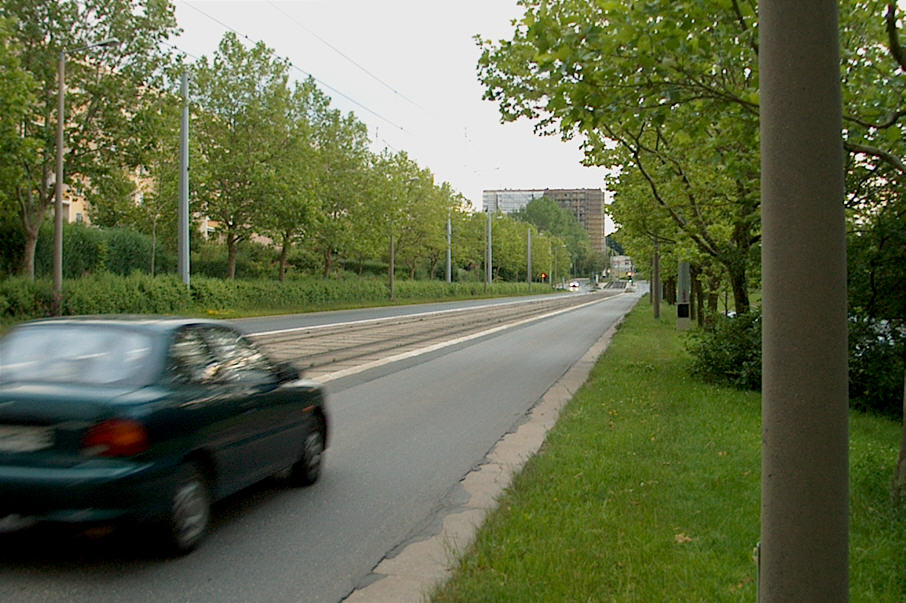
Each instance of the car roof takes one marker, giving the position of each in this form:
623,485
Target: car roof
143,322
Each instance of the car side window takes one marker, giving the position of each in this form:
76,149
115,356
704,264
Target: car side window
241,361
190,359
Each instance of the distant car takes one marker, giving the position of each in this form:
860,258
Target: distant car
105,419
574,286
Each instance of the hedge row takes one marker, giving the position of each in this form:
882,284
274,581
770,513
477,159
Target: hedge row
139,293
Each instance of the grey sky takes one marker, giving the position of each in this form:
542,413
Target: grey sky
411,63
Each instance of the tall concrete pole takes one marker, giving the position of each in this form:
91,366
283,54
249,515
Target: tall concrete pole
804,485
449,273
550,250
392,269
183,260
488,265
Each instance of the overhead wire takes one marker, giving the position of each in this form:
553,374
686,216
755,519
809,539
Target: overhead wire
344,55
434,118
296,67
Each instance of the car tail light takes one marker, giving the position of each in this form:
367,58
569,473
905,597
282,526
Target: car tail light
116,437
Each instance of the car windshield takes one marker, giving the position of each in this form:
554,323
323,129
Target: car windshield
78,354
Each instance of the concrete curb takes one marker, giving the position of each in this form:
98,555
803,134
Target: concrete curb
421,566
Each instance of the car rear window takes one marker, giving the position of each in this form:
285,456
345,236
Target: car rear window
79,354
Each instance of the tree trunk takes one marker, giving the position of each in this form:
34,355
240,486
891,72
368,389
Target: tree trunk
698,295
739,284
153,244
284,252
31,226
328,262
670,291
28,254
232,244
714,295
899,477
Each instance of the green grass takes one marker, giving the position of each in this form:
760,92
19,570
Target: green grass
648,489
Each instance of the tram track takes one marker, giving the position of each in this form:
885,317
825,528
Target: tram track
327,349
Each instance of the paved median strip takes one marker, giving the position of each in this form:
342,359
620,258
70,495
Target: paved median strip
327,377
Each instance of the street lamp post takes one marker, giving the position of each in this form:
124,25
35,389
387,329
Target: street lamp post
449,273
550,257
488,265
58,196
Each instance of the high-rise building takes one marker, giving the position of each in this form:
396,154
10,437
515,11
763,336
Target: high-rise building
587,204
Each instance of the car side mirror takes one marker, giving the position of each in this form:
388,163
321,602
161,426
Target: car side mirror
287,372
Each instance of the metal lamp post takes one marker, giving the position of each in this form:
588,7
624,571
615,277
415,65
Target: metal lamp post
58,200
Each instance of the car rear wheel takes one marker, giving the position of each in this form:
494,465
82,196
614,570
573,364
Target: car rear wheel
308,468
189,512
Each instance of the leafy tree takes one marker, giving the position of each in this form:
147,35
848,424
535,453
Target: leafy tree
876,253
669,90
342,142
242,123
107,91
445,201
423,235
873,60
468,240
17,95
547,215
299,177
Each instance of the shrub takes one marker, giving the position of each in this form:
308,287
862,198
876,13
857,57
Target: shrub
131,251
85,250
25,299
877,349
137,293
11,243
728,351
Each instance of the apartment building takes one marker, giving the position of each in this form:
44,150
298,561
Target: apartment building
587,204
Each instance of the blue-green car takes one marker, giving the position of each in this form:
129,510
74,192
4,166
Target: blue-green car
149,419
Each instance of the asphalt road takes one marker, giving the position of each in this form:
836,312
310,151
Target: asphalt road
404,436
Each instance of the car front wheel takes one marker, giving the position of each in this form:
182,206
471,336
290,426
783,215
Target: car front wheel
308,468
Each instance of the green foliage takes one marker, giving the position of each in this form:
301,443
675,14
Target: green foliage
647,489
131,251
253,260
728,351
877,359
85,251
17,96
139,293
11,243
134,294
108,90
548,216
25,298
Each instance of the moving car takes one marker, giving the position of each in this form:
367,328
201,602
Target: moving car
574,286
149,419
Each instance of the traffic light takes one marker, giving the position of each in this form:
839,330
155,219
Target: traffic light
543,276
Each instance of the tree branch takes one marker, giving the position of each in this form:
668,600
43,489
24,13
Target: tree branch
881,154
892,118
742,24
896,50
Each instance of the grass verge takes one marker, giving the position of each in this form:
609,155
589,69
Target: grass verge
648,489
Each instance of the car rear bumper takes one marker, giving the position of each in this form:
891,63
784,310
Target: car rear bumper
92,491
